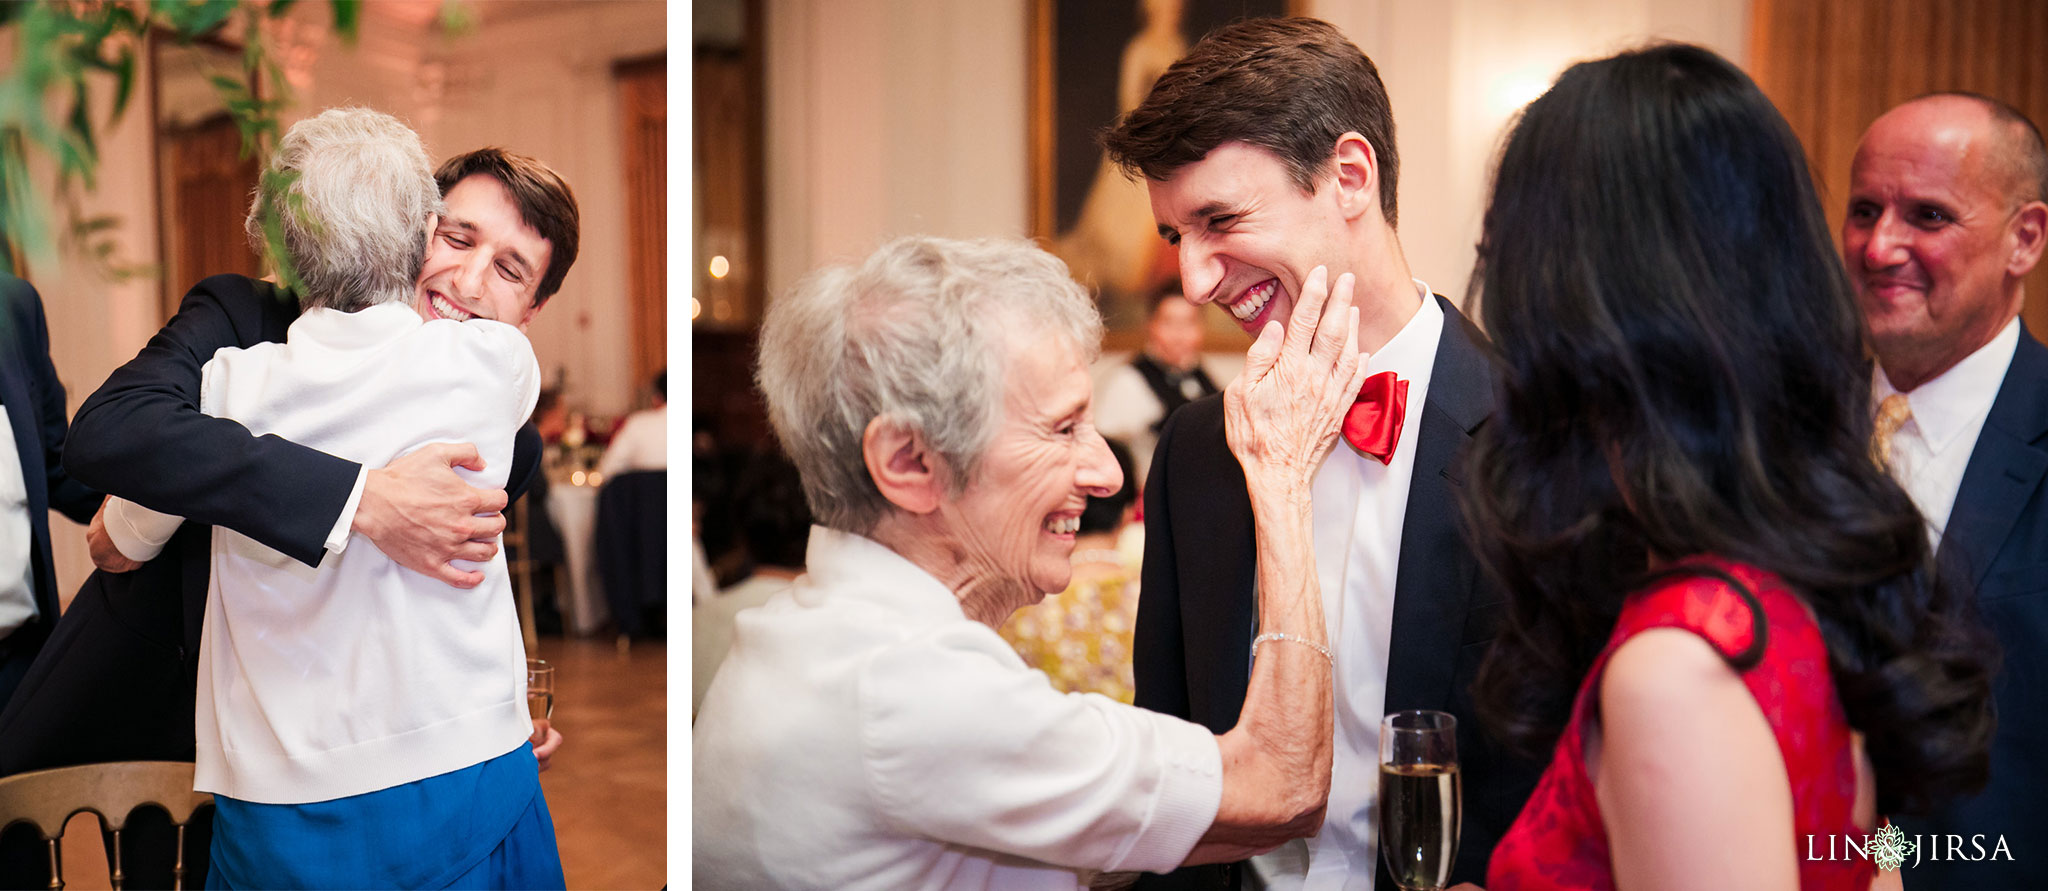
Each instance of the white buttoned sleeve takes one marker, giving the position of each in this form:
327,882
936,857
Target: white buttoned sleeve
963,744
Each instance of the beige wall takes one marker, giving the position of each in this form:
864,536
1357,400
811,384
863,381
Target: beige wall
894,116
888,117
534,77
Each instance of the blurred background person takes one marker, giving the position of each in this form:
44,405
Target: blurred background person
642,440
1081,637
774,523
1721,614
1167,374
632,522
33,481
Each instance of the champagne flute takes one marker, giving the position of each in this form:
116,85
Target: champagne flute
1420,810
540,695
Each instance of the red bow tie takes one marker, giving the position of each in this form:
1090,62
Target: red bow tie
1373,423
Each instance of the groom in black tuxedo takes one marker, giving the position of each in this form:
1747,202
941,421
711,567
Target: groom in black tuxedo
1268,151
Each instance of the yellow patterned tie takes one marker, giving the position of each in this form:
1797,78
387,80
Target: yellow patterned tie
1892,414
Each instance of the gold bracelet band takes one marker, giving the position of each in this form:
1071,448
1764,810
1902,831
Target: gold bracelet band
1275,635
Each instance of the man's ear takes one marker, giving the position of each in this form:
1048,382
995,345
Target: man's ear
1357,166
2030,232
903,466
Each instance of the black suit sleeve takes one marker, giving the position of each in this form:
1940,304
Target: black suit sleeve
141,436
1158,665
526,447
67,495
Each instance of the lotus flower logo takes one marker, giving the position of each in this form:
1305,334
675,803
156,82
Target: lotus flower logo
1889,847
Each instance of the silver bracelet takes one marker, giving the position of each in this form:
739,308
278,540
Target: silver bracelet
1275,635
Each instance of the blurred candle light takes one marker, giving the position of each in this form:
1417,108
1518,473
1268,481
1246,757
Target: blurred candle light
720,266
696,308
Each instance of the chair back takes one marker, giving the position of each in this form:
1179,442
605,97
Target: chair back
632,550
50,798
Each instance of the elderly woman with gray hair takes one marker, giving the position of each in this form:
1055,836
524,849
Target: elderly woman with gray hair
360,724
870,729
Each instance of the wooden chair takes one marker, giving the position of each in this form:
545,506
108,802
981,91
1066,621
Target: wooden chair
50,798
515,541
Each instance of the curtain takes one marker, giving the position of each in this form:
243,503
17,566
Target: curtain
1833,66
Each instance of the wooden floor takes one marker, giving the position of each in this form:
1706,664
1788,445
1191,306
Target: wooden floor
607,788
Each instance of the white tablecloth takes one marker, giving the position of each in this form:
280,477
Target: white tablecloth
574,510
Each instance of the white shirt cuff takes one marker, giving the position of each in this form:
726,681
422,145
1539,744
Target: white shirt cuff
337,537
136,531
1188,798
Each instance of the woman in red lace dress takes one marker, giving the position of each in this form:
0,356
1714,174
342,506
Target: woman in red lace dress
1719,623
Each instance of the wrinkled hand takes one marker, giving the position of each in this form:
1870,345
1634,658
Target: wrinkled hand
1281,416
104,554
546,740
421,515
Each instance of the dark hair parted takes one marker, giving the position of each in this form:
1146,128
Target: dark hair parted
1290,86
544,200
1681,371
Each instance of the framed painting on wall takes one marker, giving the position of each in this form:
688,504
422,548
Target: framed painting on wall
1091,61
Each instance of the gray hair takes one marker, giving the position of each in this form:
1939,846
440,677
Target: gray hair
353,191
919,333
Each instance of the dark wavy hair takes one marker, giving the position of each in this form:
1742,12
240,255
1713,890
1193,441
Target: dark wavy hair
1682,372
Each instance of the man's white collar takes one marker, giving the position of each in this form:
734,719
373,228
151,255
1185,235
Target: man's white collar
1944,406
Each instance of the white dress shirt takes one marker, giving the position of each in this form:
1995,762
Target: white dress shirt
640,444
1359,506
1932,449
864,733
17,586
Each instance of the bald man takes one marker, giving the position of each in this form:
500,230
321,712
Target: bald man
1945,219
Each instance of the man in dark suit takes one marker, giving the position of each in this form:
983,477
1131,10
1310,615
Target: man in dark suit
1268,151
32,482
117,682
1946,217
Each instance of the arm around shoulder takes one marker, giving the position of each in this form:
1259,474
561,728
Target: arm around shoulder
142,435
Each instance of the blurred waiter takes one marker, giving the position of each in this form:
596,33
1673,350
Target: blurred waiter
1945,219
32,481
1167,374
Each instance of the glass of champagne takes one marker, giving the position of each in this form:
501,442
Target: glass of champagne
1420,809
540,696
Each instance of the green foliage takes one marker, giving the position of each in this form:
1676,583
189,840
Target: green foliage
63,47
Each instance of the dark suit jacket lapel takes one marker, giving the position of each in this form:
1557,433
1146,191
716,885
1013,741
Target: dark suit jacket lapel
1433,582
28,442
2007,465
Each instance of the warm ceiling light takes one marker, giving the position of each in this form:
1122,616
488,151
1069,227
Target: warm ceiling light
720,266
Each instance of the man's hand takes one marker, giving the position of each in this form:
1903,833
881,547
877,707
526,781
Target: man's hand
546,739
421,515
104,554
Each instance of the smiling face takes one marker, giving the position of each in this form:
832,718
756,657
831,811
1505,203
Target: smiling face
1015,522
483,260
1928,237
1247,234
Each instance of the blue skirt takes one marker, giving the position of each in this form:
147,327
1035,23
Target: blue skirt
484,826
